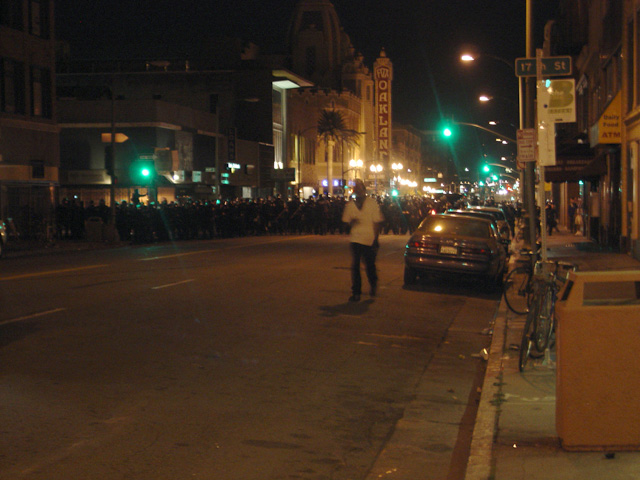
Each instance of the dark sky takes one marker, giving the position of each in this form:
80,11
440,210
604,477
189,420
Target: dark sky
423,39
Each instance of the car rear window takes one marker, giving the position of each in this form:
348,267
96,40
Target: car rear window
497,214
444,225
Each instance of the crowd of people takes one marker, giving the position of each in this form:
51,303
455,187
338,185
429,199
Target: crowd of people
188,220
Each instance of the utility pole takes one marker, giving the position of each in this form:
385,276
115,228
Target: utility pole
529,122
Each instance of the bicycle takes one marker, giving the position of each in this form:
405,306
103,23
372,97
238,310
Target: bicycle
539,327
518,287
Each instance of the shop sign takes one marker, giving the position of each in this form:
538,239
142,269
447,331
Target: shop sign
608,129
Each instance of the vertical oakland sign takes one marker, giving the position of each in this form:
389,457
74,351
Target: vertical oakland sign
383,75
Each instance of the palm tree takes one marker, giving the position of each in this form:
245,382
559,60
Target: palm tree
332,127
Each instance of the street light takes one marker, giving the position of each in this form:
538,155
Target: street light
474,125
353,165
376,169
472,57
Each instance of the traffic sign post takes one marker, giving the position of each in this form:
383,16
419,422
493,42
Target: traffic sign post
551,66
526,146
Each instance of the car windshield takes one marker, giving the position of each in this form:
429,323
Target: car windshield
446,225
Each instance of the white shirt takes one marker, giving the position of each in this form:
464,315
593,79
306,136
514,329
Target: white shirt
362,229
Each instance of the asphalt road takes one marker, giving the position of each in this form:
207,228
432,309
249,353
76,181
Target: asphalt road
230,360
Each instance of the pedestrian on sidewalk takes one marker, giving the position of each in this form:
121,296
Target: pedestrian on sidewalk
552,222
571,211
364,218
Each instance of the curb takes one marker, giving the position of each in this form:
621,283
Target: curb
480,464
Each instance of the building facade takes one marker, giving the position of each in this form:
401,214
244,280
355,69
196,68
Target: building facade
29,152
322,52
208,133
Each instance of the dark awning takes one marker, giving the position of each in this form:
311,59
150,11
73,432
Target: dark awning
571,160
596,168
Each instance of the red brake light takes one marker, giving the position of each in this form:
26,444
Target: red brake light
475,251
425,245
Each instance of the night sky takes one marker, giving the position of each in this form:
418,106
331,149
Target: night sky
423,39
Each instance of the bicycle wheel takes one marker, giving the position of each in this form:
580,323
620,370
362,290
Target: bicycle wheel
517,290
544,318
528,344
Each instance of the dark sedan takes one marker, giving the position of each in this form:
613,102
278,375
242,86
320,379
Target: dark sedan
505,237
455,244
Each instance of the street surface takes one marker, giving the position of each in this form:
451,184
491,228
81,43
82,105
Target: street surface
234,359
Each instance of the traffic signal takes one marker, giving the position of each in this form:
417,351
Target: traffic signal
485,168
394,192
143,171
448,129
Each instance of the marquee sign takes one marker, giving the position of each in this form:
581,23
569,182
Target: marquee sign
383,75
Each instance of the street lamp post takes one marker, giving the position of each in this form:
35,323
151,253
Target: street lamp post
396,167
354,165
493,132
376,169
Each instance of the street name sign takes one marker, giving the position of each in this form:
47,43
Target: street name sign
551,66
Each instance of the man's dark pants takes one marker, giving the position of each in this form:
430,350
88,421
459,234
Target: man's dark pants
368,253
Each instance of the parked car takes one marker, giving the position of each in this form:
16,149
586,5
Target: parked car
501,217
3,237
504,236
455,244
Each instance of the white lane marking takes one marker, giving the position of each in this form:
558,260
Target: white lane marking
401,337
172,284
34,315
50,272
230,247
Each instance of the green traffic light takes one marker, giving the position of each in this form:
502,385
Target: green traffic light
394,193
486,168
145,172
447,132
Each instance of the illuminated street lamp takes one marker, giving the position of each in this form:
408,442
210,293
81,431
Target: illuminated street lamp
354,165
376,169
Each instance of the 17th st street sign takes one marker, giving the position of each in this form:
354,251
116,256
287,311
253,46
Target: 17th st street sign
551,66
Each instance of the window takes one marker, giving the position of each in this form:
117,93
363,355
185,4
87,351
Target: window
11,13
41,101
311,58
12,86
39,18
213,103
37,169
36,92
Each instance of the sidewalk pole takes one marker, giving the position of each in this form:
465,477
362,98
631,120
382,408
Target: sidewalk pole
541,193
529,118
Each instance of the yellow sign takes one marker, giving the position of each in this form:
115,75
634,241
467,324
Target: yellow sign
120,137
610,123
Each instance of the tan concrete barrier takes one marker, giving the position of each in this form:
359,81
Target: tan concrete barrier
598,364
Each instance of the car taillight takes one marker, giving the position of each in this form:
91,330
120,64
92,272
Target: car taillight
475,251
425,245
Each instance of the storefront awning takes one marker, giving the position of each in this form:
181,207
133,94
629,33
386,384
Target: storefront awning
596,168
570,163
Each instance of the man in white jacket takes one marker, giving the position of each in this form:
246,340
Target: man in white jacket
364,218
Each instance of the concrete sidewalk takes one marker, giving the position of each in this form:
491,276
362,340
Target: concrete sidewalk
515,432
